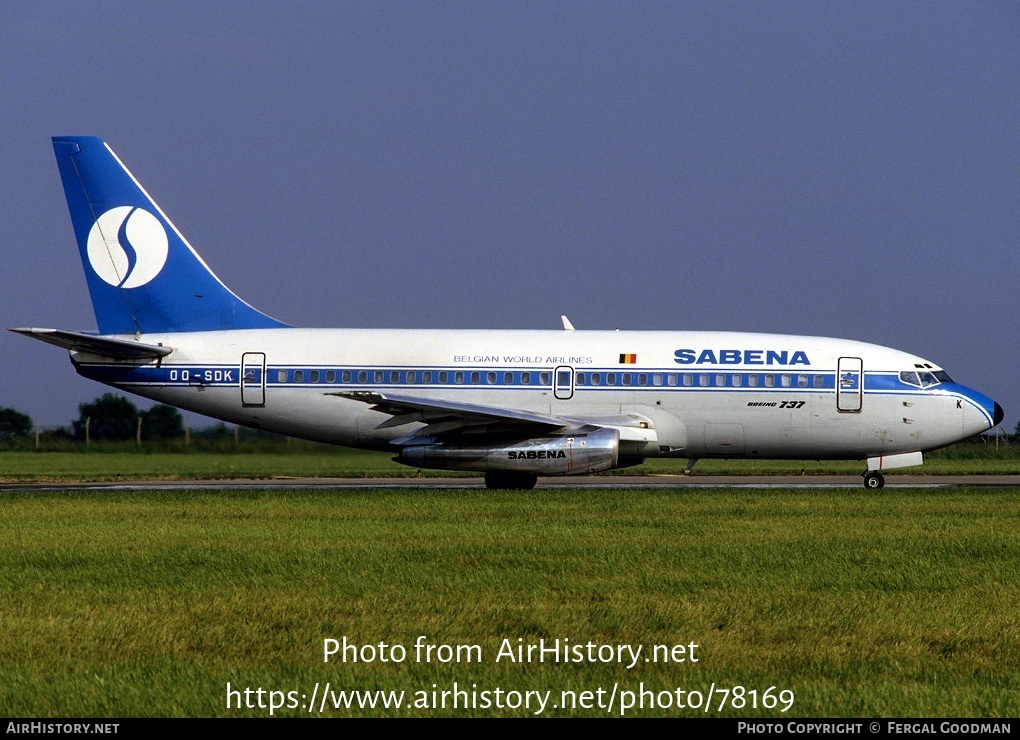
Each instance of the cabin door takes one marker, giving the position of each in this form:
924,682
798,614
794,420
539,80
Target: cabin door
849,384
563,382
253,379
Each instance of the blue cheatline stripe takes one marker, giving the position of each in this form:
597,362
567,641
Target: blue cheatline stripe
446,377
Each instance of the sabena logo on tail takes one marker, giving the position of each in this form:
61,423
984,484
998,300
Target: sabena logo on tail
127,247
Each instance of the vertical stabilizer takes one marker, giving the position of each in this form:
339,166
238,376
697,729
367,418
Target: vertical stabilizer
142,274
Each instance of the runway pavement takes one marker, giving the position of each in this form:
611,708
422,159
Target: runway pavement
584,481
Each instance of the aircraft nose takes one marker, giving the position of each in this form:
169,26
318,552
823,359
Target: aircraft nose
980,413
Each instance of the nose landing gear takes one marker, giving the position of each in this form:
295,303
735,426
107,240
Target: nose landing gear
873,480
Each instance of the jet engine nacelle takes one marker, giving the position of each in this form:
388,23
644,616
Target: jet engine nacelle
564,455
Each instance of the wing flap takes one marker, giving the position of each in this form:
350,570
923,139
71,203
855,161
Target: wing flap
407,409
442,416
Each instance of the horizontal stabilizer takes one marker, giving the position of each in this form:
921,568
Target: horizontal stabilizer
118,349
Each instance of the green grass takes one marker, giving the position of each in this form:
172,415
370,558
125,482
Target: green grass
122,461
116,464
148,603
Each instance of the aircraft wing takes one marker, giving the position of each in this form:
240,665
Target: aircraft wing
407,409
441,416
118,349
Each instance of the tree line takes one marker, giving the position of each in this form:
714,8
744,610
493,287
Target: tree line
109,417
113,418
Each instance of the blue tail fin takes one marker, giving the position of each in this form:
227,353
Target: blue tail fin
143,275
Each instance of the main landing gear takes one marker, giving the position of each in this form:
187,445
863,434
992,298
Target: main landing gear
873,480
510,481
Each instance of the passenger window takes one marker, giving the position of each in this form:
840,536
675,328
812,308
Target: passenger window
580,379
544,378
802,381
377,376
610,378
525,378
819,381
627,377
490,378
426,376
508,378
738,380
596,378
657,379
703,379
688,380
770,381
671,378
345,376
444,377
313,376
331,376
476,378
299,376
642,379
458,377
411,376
362,376
720,380
752,380
785,380
281,376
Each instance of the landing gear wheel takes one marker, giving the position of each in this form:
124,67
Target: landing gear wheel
874,480
510,481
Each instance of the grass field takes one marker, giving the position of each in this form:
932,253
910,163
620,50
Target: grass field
899,604
120,461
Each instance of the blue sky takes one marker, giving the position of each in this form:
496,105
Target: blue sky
837,169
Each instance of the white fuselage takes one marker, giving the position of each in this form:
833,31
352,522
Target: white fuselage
680,394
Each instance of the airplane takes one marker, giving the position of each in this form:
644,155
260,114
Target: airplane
513,405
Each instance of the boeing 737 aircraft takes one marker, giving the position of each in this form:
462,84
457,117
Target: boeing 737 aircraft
512,404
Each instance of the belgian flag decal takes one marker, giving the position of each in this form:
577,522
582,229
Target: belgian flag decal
628,359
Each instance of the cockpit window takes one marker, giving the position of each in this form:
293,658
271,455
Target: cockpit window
924,379
910,378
